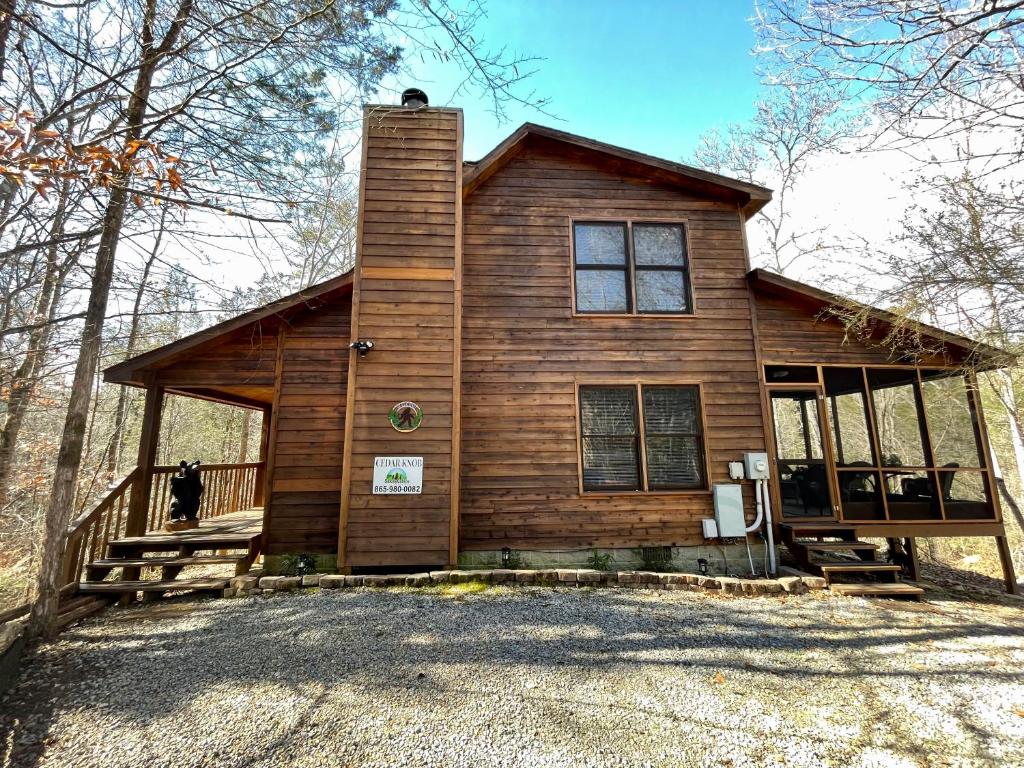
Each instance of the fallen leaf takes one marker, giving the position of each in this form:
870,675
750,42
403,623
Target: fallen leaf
719,678
1018,711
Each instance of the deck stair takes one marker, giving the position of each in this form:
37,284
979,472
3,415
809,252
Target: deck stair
126,567
849,565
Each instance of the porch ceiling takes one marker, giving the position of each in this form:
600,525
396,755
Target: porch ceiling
257,398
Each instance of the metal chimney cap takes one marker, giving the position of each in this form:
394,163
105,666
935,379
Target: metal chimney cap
414,97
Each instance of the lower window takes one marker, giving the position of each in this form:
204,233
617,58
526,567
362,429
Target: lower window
641,438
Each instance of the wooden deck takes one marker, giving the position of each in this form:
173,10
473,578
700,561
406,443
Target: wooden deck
231,538
227,529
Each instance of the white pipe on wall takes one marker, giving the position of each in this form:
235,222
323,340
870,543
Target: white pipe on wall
766,492
759,507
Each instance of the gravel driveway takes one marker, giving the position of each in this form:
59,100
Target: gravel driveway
526,677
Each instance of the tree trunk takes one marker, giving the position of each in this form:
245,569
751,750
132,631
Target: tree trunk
7,9
1017,441
24,381
121,410
69,457
243,442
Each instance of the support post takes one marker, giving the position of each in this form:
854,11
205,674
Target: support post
913,564
138,506
1009,577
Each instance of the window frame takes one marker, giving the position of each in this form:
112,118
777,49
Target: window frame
631,268
626,268
637,438
645,489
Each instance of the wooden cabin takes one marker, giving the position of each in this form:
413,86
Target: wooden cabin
578,348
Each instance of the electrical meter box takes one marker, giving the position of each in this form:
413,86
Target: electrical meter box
756,465
729,511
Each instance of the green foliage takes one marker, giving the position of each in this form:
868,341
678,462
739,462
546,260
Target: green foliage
464,588
514,562
599,561
658,559
296,565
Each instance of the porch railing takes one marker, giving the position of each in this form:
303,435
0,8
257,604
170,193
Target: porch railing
227,488
89,533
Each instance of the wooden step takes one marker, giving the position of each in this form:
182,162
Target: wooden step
852,567
836,546
831,571
156,562
170,541
878,590
173,585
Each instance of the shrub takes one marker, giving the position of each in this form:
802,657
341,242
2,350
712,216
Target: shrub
599,561
655,559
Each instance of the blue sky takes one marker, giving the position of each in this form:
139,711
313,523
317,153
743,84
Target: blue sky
650,75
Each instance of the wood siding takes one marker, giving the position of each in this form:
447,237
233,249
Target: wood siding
524,353
789,333
308,433
245,359
407,269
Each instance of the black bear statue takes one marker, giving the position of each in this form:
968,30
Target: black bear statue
186,492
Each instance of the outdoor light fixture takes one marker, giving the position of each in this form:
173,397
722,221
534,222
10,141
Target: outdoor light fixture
305,564
506,557
702,566
362,346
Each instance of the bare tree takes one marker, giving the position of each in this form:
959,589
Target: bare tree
928,71
239,91
24,380
131,347
776,148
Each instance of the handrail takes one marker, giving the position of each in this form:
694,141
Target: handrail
89,533
113,491
203,468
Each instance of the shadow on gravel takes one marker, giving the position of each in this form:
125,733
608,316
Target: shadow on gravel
135,672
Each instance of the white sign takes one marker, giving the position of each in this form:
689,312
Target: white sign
398,474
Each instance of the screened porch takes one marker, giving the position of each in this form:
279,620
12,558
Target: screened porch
878,444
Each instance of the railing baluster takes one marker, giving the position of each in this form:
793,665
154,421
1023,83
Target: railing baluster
162,500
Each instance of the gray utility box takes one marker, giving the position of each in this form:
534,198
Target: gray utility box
729,511
756,466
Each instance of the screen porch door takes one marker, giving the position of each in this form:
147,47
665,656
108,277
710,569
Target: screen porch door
803,473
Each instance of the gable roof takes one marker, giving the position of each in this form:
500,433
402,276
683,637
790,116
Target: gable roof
124,372
984,356
751,197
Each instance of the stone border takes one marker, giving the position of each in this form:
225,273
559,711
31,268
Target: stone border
255,584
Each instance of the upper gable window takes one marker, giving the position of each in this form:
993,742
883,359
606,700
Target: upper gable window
629,268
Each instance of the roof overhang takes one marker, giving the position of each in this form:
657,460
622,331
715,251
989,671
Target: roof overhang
749,197
136,370
975,353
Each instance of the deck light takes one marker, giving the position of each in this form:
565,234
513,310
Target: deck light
362,346
506,557
305,564
702,566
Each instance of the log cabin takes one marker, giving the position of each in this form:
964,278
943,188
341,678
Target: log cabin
558,349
